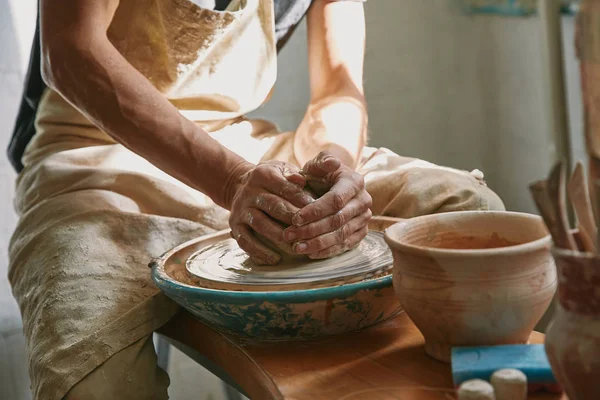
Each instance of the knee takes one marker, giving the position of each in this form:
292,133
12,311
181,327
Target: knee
463,191
423,191
472,199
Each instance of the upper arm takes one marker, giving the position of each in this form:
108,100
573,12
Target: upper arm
68,26
336,43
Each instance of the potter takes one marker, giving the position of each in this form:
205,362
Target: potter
134,138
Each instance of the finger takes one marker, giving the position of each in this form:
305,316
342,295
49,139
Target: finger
272,179
260,223
293,175
321,165
267,228
337,237
258,252
355,207
296,179
276,207
331,202
336,250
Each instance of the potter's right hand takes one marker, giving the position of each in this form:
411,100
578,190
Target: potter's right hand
264,202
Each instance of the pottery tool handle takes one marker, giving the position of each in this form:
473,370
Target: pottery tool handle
579,195
557,195
546,209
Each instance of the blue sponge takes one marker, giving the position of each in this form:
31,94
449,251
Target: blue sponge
482,362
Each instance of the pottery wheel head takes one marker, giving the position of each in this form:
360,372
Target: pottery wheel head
225,266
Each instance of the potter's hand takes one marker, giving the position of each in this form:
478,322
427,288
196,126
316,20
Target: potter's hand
338,220
263,204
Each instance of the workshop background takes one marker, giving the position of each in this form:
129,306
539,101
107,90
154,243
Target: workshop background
464,90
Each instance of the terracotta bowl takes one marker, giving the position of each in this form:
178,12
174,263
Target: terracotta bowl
472,278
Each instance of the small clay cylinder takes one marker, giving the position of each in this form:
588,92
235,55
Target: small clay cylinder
476,389
509,384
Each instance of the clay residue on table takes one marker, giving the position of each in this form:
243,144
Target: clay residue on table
461,241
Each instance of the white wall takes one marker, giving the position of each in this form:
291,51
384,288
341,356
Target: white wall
463,91
14,382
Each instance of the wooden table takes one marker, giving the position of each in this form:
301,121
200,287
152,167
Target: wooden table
387,361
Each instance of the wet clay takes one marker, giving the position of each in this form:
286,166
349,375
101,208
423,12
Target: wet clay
285,249
224,266
180,274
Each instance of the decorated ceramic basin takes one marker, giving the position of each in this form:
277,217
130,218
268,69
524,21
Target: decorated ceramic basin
274,315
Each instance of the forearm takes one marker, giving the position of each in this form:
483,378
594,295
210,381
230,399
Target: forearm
337,124
336,118
98,81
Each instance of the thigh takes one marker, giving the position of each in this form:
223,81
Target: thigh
404,187
79,272
130,374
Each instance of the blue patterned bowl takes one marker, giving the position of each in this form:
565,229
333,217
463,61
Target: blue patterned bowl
276,315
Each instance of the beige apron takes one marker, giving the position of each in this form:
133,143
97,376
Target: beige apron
92,213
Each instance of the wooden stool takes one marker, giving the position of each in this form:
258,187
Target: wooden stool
387,361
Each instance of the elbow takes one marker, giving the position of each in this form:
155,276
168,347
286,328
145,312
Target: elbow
338,85
61,61
49,60
54,58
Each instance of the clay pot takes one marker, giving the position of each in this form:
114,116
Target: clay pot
573,337
472,278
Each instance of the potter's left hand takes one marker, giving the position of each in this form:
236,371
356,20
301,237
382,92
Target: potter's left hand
338,220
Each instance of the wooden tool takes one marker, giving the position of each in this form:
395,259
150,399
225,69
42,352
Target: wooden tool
579,195
550,199
548,211
539,192
556,193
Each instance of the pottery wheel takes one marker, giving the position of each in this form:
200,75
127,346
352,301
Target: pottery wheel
225,266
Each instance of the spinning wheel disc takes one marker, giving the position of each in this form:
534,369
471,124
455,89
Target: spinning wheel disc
225,266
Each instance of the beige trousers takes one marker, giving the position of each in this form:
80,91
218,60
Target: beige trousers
132,373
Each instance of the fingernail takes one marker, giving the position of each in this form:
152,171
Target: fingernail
325,159
300,247
297,220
